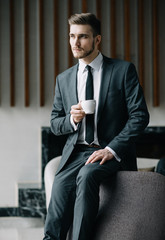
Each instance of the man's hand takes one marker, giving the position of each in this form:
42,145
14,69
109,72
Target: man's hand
102,154
77,113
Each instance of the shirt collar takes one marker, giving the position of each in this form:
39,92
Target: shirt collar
95,64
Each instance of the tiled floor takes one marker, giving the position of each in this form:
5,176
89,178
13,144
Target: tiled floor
16,228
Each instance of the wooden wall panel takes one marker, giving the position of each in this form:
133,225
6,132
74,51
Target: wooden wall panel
127,5
113,28
70,55
141,42
127,30
84,6
56,40
156,93
26,53
98,14
98,9
12,55
41,57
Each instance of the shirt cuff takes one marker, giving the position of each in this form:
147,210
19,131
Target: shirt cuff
75,127
114,154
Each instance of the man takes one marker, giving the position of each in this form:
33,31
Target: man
120,116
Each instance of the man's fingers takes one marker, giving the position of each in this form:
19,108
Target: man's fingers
76,110
103,155
93,158
77,106
103,161
77,113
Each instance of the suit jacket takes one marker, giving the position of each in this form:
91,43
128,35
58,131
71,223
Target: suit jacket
122,111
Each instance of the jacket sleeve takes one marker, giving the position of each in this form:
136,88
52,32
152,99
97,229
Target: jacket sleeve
60,119
138,116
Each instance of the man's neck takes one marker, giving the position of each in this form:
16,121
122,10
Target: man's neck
90,58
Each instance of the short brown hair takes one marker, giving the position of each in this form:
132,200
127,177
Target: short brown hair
86,19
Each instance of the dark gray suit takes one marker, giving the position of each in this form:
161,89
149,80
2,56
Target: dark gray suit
122,116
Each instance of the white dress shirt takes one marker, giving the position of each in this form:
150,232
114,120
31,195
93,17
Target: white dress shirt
96,69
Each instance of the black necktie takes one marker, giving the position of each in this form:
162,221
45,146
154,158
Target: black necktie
89,137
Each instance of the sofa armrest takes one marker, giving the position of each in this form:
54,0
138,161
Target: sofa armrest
49,175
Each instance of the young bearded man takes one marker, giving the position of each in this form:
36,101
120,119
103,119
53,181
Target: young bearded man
120,116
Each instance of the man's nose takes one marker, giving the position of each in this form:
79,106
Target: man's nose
77,42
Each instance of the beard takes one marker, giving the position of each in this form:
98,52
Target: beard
84,54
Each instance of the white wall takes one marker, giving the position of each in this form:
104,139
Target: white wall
20,160
20,149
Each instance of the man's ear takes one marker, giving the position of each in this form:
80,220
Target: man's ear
98,39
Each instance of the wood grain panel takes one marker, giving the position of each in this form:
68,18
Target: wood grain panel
98,13
141,42
12,64
84,6
26,53
156,94
41,57
98,9
70,55
127,30
113,28
56,40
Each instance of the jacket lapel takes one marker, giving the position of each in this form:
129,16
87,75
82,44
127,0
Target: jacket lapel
105,81
72,88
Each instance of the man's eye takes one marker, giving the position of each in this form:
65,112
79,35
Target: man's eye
84,36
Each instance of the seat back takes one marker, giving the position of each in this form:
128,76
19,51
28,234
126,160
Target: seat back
132,207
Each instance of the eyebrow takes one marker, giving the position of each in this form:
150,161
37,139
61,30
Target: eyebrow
80,34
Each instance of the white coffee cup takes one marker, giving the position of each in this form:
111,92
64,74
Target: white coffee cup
88,106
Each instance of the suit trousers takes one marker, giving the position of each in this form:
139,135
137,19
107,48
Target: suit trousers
75,196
